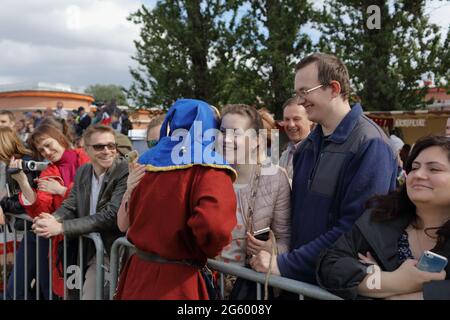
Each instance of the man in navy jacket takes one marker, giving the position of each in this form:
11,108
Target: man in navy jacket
343,162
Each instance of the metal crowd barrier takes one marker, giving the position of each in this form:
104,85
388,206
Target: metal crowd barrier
301,288
99,249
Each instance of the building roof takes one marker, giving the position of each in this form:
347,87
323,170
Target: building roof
40,86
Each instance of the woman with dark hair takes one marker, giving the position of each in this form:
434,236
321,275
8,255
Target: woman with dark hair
63,126
378,257
54,182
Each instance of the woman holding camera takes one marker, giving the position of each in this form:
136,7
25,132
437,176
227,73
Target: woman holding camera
12,147
54,182
378,257
262,191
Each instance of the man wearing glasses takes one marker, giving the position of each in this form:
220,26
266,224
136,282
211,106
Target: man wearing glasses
93,201
343,162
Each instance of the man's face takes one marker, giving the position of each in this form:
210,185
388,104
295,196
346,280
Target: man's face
6,122
296,123
59,105
102,150
317,102
447,128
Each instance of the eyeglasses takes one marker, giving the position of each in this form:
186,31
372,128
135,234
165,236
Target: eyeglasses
152,143
235,133
101,147
303,93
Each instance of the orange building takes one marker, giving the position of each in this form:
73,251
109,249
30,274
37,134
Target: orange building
25,97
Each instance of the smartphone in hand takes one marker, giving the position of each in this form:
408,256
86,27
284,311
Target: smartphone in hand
262,234
432,262
132,156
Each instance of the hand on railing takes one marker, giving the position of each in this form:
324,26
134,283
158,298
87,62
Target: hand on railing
261,263
45,225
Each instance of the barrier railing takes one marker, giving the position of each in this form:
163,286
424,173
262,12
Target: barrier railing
94,237
114,263
301,288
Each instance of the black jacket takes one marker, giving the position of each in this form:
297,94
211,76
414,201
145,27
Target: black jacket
74,211
340,272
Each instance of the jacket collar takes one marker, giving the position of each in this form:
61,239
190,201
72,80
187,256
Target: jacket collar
86,179
343,130
383,237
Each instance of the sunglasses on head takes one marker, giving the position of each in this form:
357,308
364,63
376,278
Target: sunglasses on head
101,147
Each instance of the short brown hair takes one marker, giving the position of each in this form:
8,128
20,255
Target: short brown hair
9,114
98,128
288,102
156,121
329,68
43,132
62,125
246,111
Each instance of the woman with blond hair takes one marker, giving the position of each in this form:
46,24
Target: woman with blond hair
11,147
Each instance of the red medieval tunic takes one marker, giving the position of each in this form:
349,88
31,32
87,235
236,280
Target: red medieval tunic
185,214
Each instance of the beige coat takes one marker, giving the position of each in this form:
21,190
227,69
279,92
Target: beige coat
272,206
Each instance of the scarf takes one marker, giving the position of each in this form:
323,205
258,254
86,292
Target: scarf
67,166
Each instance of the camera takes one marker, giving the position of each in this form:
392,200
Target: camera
28,166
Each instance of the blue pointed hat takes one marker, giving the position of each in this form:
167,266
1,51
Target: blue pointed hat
187,138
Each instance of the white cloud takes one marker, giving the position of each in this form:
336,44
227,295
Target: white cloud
439,13
80,42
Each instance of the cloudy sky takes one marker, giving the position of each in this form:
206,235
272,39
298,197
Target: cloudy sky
82,42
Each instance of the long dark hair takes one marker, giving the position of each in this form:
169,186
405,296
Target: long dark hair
397,203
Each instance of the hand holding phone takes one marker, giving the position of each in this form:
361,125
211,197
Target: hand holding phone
132,156
432,262
262,234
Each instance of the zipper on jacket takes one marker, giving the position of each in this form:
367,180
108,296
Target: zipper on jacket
313,173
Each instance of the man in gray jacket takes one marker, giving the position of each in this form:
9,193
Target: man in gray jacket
93,201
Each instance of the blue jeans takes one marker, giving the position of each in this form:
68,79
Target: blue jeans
44,285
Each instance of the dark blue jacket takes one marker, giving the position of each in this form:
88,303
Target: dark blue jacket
333,178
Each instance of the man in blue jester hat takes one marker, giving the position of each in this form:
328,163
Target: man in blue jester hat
181,212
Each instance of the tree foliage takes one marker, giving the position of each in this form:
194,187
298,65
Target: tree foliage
386,65
105,94
221,51
241,51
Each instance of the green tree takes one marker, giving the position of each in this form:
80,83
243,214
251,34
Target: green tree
386,64
221,51
176,51
105,94
270,41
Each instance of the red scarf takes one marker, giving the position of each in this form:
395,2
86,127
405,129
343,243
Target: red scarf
68,165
